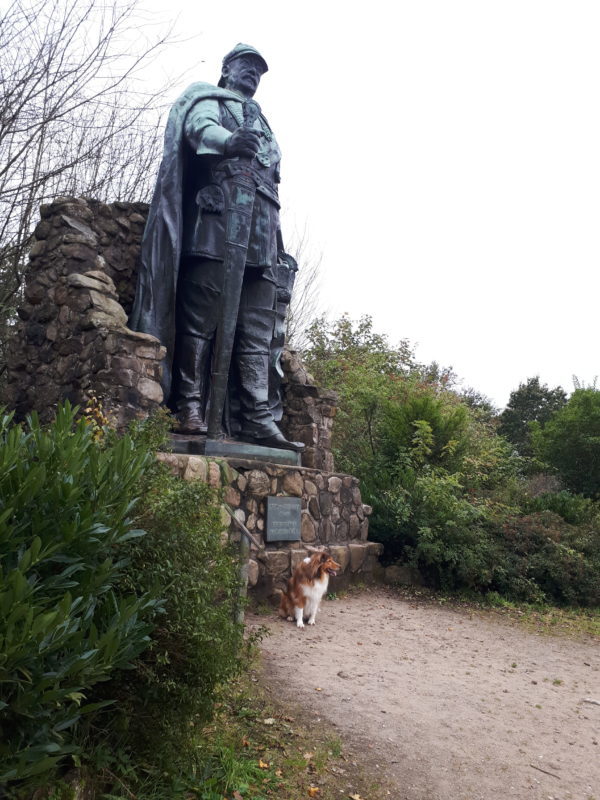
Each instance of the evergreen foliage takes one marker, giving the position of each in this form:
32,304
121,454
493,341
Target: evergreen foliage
196,643
65,523
114,642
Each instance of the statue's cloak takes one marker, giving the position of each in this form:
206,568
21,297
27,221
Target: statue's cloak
154,305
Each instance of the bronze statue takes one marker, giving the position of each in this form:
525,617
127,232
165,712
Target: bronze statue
211,256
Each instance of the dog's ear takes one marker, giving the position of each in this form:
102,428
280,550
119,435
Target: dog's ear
324,557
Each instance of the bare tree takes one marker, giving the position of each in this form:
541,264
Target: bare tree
74,118
305,305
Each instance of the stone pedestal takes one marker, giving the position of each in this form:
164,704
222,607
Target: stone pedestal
332,515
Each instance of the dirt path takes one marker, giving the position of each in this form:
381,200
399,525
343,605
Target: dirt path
449,705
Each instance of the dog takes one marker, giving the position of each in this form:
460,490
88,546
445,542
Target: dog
306,588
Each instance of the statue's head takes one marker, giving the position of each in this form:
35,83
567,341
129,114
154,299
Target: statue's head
242,70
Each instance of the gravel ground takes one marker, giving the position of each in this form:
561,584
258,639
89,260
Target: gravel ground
445,704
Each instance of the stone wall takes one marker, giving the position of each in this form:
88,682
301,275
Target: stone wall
71,341
308,413
332,515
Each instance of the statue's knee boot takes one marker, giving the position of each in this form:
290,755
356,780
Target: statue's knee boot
253,371
190,381
258,425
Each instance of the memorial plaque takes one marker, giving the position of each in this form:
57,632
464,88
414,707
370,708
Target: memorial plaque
283,519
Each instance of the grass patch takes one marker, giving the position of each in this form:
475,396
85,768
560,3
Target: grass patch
258,749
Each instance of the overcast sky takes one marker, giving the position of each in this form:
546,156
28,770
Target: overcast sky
444,156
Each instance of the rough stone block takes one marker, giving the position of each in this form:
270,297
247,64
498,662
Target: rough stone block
310,488
90,280
232,496
214,475
325,503
196,469
326,530
251,522
258,482
313,508
341,554
334,484
277,562
292,483
358,553
308,531
341,531
151,390
354,527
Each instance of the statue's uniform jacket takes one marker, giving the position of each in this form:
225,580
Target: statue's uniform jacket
207,127
186,216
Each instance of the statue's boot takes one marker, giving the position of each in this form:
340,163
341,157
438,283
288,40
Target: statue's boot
191,381
258,425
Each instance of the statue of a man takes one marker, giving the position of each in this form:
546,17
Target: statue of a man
186,251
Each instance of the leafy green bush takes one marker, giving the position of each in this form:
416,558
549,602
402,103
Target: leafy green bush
196,644
573,508
65,521
436,529
544,559
447,491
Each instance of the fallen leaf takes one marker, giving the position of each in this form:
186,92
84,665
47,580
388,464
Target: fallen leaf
237,796
308,756
289,719
318,689
245,742
355,797
268,721
279,773
263,764
313,791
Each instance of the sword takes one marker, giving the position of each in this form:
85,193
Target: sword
237,236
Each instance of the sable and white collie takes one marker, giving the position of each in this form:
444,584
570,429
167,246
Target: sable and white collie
306,587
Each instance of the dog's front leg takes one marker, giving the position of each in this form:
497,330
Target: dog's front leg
298,613
313,616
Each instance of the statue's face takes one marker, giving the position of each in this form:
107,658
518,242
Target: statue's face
243,75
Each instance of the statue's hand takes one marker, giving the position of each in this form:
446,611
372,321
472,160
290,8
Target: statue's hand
243,142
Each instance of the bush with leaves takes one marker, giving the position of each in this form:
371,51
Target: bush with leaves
196,644
544,559
65,522
446,489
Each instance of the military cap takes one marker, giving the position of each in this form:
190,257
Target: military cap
242,50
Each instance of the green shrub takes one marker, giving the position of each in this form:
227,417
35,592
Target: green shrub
431,525
543,559
196,643
65,522
573,508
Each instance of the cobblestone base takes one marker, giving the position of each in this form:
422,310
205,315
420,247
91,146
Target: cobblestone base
332,515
